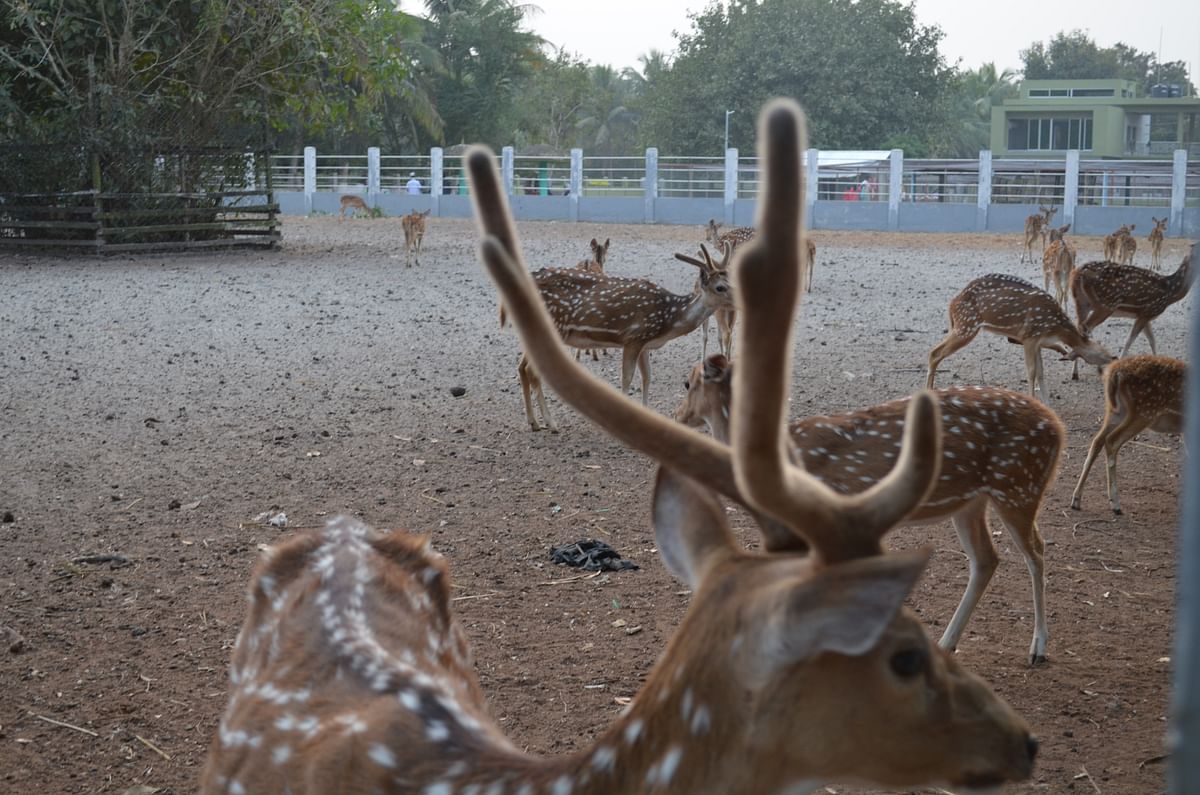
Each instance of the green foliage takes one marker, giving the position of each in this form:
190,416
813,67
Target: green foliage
485,56
864,71
121,72
1075,55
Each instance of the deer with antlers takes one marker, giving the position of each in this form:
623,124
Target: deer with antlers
1015,309
413,225
1106,289
598,311
999,448
1156,240
1113,242
1035,227
726,318
1057,263
350,673
1140,393
595,264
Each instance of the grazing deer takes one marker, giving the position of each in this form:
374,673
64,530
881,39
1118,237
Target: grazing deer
598,311
1035,227
719,239
352,203
1140,392
999,448
413,225
1113,242
1156,240
1015,309
1104,289
595,264
787,666
1057,263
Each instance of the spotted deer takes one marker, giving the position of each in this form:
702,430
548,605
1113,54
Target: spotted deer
1015,309
1156,240
1113,242
1057,263
726,318
352,203
595,264
1105,289
413,225
787,665
1140,393
599,311
1035,228
999,448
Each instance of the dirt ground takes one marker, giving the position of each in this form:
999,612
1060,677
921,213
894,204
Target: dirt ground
153,408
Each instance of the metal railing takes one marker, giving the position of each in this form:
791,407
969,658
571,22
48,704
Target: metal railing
946,182
395,171
1141,183
541,176
1034,186
691,177
614,176
342,172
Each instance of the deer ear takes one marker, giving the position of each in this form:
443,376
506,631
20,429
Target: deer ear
717,368
689,526
843,609
594,243
606,242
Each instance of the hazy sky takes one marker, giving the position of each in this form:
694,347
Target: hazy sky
616,32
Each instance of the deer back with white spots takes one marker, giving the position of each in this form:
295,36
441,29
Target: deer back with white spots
999,448
1140,393
1107,289
591,310
1026,315
787,665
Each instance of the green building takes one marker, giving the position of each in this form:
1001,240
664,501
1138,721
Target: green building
1105,119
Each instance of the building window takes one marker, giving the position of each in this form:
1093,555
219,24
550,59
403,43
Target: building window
1046,93
1049,134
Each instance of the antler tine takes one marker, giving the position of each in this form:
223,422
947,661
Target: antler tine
768,279
684,450
705,265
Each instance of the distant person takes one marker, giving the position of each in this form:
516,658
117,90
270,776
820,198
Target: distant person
865,189
413,185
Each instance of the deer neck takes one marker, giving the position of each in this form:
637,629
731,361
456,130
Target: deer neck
684,315
1181,280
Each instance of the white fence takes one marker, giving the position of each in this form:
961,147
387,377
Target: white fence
868,190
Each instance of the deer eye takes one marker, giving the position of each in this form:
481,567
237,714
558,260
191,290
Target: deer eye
687,385
721,288
908,663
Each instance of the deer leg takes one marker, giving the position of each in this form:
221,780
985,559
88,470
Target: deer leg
725,320
1129,427
704,337
1098,440
629,360
595,357
531,383
1033,369
971,525
1021,522
1149,332
953,342
644,365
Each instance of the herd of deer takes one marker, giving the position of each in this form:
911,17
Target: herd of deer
350,674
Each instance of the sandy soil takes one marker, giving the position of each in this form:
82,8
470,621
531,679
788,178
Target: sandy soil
153,407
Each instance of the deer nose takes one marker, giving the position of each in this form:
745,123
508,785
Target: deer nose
1031,747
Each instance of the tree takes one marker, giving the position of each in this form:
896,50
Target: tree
485,55
863,69
1075,55
120,72
970,102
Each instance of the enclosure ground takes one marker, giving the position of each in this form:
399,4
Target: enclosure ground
154,407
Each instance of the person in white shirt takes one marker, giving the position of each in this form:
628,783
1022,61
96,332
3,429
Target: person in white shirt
413,185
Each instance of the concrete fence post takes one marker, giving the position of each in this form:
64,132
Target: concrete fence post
1071,187
812,175
251,176
310,177
374,186
1178,195
437,180
507,160
651,187
576,189
731,183
895,187
984,197
1183,731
